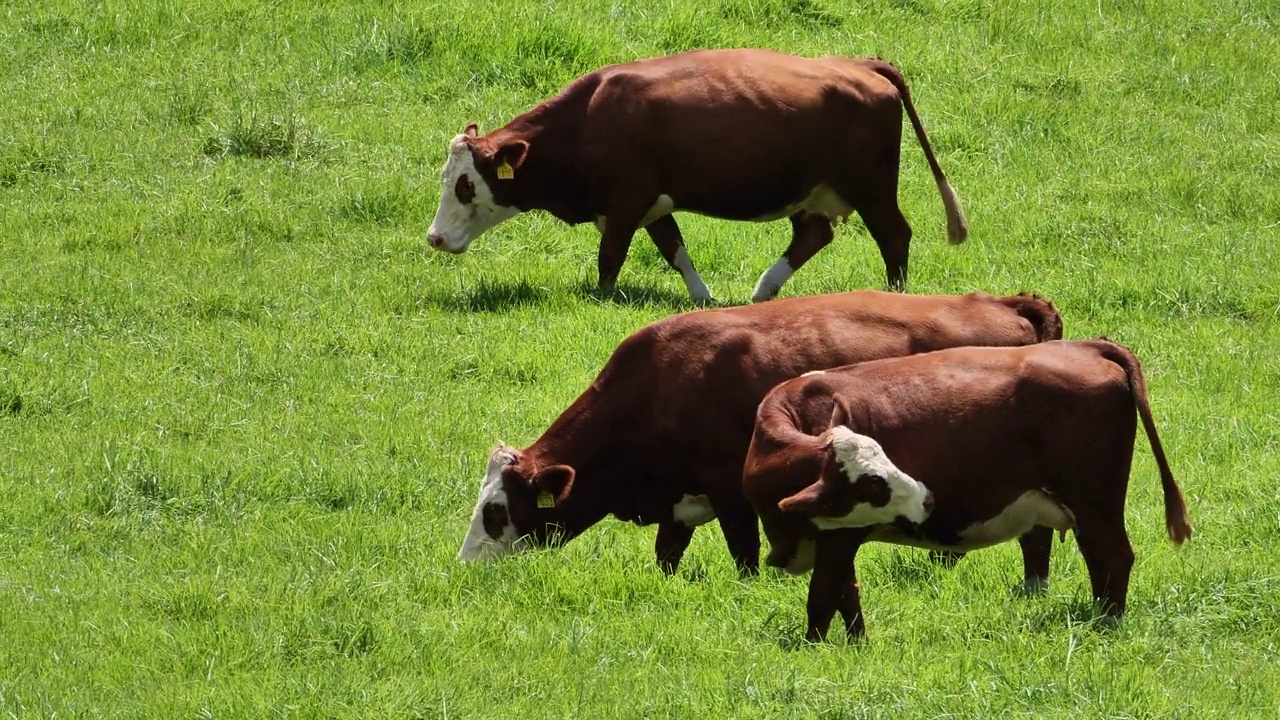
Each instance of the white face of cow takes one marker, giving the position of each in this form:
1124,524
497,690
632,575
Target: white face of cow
492,533
467,207
867,490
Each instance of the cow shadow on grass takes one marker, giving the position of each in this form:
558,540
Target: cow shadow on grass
644,296
1052,617
487,296
503,296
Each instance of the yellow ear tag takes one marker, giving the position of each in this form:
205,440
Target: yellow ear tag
506,173
545,500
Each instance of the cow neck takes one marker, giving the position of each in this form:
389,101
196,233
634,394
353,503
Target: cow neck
550,170
596,450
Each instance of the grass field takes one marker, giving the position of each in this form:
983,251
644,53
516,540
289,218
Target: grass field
244,409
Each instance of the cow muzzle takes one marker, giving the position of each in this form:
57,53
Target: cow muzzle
439,243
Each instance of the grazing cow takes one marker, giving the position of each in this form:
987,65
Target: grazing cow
1005,441
660,435
736,134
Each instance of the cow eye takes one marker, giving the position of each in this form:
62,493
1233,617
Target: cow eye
496,519
465,190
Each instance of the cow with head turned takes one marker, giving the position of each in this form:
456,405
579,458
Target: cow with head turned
660,434
955,450
740,134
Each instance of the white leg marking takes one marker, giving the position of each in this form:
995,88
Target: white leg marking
771,281
698,290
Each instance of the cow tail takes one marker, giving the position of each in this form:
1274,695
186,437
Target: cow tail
1041,313
957,226
1175,509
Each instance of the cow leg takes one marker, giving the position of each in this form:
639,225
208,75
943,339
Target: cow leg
833,584
742,534
1037,544
665,234
615,242
809,234
888,227
1104,543
673,539
722,480
850,607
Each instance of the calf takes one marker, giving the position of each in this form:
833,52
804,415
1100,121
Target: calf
735,134
660,434
1005,441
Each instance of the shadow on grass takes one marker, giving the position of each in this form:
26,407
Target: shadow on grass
1075,613
489,296
504,296
645,297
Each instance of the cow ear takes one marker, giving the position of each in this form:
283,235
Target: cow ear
552,484
471,129
805,502
509,157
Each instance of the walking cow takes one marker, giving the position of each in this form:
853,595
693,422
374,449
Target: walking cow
737,134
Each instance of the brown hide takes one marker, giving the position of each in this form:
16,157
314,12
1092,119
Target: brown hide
979,427
671,412
739,134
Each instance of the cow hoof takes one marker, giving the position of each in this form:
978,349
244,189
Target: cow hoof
1032,586
1109,622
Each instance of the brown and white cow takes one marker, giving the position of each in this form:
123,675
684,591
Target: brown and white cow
955,450
660,435
737,134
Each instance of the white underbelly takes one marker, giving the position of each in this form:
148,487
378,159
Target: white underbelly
1032,508
822,201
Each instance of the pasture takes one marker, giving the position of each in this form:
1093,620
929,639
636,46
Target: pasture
245,409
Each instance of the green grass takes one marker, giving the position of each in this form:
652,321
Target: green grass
244,409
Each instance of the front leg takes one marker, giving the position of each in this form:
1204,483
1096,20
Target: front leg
613,252
850,606
833,584
617,228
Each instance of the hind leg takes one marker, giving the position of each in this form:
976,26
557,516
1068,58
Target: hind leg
1037,544
884,220
665,233
1104,543
809,234
669,546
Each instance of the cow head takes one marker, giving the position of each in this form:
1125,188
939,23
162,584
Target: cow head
468,204
859,486
517,508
